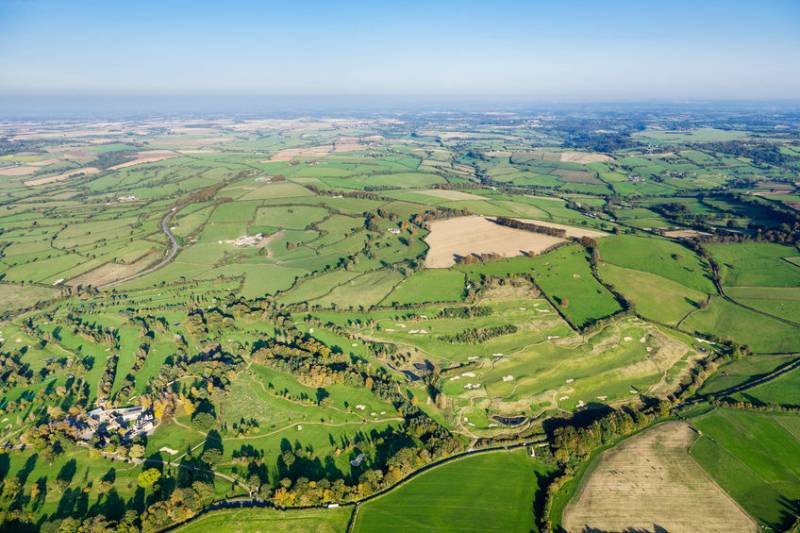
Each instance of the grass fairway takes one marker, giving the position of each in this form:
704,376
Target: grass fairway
488,492
755,457
270,520
429,286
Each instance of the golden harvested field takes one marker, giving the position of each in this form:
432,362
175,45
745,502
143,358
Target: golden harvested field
149,156
479,235
111,272
450,195
651,483
61,177
288,154
19,170
683,233
584,157
572,231
192,141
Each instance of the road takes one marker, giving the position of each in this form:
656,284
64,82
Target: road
173,251
748,385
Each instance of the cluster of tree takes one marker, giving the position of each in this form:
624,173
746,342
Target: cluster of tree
93,331
205,194
245,426
181,504
14,371
749,406
595,141
363,195
575,440
465,312
114,157
530,226
438,213
474,259
479,335
109,374
726,350
759,153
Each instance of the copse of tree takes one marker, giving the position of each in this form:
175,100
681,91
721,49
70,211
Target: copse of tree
478,335
530,226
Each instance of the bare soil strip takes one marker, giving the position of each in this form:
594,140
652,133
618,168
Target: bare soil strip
651,483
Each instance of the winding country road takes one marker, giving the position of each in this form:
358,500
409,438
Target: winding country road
173,251
788,367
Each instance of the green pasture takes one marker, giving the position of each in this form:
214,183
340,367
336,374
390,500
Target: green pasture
462,496
755,457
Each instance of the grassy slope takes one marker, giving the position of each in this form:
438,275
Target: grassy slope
755,457
657,256
270,520
461,496
429,286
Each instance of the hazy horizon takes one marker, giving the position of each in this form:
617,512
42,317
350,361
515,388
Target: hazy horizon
506,52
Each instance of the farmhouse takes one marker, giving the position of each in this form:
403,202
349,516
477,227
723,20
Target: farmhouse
127,422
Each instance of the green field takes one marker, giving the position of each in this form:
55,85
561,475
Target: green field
269,520
762,333
784,390
429,286
657,256
740,371
755,458
565,276
461,495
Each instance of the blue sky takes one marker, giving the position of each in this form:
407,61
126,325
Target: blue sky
582,50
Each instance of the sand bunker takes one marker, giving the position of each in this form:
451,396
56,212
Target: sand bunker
651,481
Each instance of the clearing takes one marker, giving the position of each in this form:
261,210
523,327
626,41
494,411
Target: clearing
650,482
